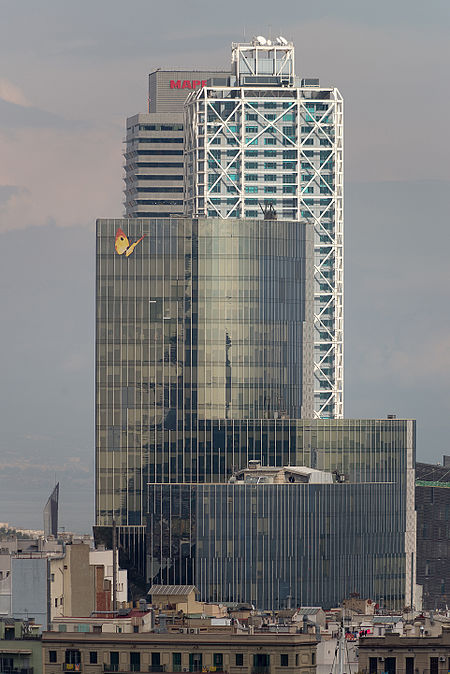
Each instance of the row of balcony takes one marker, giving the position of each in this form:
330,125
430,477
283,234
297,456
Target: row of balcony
110,668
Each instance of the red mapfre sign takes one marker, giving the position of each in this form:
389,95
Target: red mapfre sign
187,84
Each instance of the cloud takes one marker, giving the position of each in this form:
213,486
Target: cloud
10,93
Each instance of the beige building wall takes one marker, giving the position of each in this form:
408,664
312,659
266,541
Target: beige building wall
72,586
283,653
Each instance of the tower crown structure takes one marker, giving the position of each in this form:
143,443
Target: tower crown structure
263,61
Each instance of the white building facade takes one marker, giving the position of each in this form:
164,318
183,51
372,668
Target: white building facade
268,140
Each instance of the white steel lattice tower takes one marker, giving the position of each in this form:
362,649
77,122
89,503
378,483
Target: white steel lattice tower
264,137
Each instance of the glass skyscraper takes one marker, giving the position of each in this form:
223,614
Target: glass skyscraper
204,319
267,137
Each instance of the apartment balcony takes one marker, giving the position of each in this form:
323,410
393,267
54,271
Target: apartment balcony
71,667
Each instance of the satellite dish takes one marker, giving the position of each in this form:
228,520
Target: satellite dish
269,42
261,39
282,40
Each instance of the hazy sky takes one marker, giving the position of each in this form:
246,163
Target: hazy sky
70,73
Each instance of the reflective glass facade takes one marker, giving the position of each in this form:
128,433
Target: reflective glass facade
307,544
202,320
280,545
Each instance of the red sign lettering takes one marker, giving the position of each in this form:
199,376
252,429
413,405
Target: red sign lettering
187,84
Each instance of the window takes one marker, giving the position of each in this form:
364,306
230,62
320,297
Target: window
261,661
410,665
218,661
251,189
52,656
270,153
56,602
161,140
114,661
296,659
251,214
93,657
251,164
270,189
251,129
251,117
135,662
270,177
270,105
52,575
284,660
73,657
176,662
239,659
308,141
161,152
270,165
389,666
156,662
270,141
251,153
313,658
251,177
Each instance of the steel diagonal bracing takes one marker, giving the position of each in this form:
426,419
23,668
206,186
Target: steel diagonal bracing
318,146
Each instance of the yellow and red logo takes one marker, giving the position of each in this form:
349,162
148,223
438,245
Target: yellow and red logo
122,244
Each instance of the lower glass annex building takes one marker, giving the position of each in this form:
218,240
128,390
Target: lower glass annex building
203,363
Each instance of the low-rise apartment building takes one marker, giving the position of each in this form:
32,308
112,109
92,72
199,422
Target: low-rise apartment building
395,654
259,653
